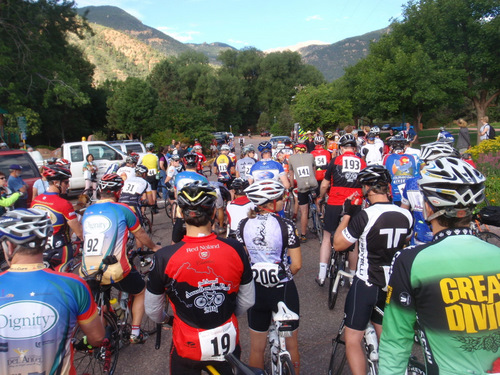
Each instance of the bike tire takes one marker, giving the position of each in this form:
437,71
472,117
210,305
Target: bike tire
337,359
489,237
91,361
286,366
151,217
415,367
334,269
168,208
146,224
319,227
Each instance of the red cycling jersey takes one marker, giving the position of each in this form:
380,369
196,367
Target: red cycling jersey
321,159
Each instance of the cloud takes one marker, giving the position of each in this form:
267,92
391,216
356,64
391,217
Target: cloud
232,41
181,36
314,18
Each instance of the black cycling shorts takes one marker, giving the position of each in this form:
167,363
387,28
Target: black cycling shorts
360,304
266,301
133,283
152,181
178,231
333,214
303,198
186,366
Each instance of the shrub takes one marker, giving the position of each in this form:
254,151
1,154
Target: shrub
490,146
489,165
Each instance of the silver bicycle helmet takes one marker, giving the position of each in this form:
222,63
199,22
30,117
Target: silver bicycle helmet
141,169
225,147
347,140
375,130
26,227
319,140
150,146
437,150
264,191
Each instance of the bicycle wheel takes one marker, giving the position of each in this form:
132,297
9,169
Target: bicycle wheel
318,226
415,367
489,237
337,359
146,224
286,365
98,360
168,208
151,215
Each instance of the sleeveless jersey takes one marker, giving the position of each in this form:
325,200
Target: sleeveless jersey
187,177
243,166
267,238
412,197
321,159
342,172
372,153
381,229
106,226
60,212
39,312
150,161
401,167
453,286
237,210
132,191
267,169
201,277
224,165
302,166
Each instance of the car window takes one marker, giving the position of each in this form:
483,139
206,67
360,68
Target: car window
134,148
102,152
24,160
76,153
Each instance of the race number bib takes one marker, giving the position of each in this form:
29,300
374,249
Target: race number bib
351,165
222,168
266,274
303,171
248,168
129,188
217,342
320,160
152,172
93,244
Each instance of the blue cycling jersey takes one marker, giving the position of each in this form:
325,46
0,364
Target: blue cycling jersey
187,177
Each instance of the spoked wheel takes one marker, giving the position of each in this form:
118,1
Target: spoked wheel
100,360
147,225
168,208
318,226
289,206
336,265
287,366
337,359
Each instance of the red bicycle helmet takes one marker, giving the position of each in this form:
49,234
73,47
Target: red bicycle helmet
54,172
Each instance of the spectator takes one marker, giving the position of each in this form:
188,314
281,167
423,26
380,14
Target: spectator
485,129
17,184
7,198
90,175
310,141
41,185
410,134
463,143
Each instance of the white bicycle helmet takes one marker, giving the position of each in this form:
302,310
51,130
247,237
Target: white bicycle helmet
451,183
225,148
347,140
29,228
375,130
150,146
437,150
264,191
319,140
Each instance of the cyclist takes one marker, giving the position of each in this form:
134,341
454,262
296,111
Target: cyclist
244,165
445,136
107,225
341,178
237,209
269,240
40,309
62,214
376,132
128,170
401,165
181,179
381,230
321,158
412,198
449,287
207,280
372,152
223,166
242,141
172,171
150,161
266,168
302,169
197,149
136,189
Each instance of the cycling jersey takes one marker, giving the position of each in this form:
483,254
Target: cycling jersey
372,153
106,227
172,172
267,238
381,229
201,277
401,167
150,161
133,190
60,212
266,169
302,167
450,287
125,172
39,312
187,177
413,198
201,159
223,163
342,172
321,159
243,166
237,210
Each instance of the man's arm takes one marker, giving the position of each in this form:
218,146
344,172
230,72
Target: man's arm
245,298
76,227
284,181
155,306
296,258
340,243
94,331
142,236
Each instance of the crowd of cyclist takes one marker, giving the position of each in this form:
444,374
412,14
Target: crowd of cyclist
378,197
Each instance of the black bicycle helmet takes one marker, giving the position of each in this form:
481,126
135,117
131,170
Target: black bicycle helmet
347,140
374,175
26,227
238,185
197,198
141,169
191,159
110,183
54,172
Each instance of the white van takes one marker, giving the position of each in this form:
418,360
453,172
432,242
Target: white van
76,153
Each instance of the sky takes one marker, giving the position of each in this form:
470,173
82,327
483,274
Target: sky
263,24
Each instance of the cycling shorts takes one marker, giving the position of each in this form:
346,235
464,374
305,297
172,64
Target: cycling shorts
360,304
303,198
332,217
266,301
186,366
178,230
133,283
152,181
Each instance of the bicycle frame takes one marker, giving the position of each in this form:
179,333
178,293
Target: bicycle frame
279,329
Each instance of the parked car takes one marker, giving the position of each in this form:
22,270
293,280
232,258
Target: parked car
386,127
279,140
30,172
126,147
265,133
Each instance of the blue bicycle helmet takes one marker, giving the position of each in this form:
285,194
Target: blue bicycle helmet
265,146
29,228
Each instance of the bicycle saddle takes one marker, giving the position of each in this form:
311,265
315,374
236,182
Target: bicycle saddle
284,313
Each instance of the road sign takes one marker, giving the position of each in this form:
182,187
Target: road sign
21,122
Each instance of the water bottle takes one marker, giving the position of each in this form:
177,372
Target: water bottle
124,301
371,342
116,307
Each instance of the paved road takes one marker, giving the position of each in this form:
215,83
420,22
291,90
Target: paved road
317,324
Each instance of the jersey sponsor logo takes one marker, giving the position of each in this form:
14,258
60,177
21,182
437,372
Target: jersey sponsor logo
26,319
202,248
96,224
23,359
472,302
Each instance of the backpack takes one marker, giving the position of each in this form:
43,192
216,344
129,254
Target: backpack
492,133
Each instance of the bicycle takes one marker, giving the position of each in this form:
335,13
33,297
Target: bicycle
288,204
315,215
482,230
337,275
238,367
280,328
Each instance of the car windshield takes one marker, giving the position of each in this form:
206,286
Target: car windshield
24,160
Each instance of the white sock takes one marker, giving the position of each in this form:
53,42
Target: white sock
352,272
322,270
